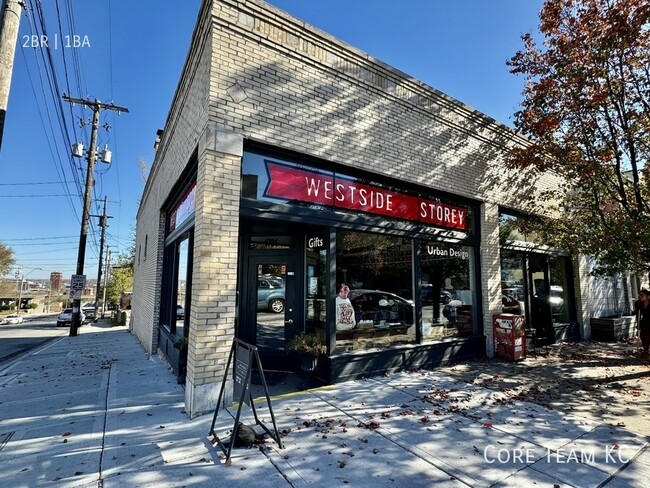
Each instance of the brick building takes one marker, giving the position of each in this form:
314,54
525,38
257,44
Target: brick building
291,163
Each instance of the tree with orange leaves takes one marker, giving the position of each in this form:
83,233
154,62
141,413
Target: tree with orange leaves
586,111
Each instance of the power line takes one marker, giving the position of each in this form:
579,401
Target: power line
37,196
41,183
37,238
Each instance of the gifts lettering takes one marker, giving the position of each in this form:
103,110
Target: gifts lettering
314,242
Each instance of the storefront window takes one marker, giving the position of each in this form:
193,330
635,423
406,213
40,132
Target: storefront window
447,291
560,295
538,286
513,228
316,285
513,296
179,315
374,298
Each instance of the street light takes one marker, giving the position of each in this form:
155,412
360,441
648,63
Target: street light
20,290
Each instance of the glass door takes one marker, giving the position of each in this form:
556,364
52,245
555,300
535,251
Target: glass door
269,312
539,294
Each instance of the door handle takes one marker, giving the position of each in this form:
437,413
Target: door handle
288,322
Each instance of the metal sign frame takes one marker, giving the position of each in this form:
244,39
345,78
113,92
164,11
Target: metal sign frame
246,357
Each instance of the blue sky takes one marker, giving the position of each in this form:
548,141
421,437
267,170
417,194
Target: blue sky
131,54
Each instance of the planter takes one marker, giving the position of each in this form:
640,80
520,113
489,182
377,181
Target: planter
611,329
182,366
308,363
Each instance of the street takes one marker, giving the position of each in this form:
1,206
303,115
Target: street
34,331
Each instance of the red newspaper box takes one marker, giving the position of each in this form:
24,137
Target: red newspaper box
509,336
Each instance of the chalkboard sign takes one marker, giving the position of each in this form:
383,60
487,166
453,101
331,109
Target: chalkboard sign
246,356
242,368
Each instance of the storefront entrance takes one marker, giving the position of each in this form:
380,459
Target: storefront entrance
538,286
269,311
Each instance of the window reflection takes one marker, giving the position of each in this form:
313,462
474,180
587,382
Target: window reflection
513,298
447,291
316,286
378,271
179,312
560,290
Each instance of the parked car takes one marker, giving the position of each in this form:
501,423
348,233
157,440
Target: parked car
89,310
65,317
557,297
270,294
13,319
511,305
427,295
180,312
380,305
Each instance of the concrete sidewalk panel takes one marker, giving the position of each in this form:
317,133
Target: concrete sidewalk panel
340,451
462,446
255,472
634,474
529,477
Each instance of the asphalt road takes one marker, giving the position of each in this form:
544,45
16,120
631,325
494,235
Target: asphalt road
34,331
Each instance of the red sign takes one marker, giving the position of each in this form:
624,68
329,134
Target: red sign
184,208
309,186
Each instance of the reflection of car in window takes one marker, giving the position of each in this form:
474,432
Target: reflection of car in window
514,292
270,294
511,305
557,297
379,305
427,295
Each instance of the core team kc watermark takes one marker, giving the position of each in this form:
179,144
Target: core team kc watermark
55,41
607,454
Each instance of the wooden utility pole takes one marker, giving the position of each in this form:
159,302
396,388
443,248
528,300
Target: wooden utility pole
106,273
102,224
96,107
9,23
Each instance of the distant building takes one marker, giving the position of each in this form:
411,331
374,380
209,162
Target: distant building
56,281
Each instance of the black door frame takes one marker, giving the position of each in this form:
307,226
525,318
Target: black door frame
294,290
539,304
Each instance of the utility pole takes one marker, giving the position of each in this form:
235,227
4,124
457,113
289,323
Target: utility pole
10,21
96,107
106,268
102,224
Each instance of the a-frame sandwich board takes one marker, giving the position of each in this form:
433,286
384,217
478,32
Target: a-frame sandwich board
246,356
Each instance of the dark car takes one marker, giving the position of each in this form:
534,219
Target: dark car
180,312
270,294
511,305
427,295
380,305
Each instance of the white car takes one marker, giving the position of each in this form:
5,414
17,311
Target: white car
65,317
13,319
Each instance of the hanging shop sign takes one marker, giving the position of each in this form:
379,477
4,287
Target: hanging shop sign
309,186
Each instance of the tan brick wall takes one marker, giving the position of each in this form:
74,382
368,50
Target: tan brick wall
256,73
214,281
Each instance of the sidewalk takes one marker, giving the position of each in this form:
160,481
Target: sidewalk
93,411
